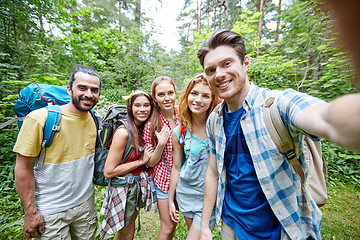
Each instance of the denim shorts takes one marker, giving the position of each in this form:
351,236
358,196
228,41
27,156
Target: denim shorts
196,217
160,194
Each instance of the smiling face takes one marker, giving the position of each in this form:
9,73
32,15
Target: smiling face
141,109
165,96
226,74
85,92
199,99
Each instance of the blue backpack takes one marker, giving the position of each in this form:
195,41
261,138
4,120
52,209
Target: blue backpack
36,96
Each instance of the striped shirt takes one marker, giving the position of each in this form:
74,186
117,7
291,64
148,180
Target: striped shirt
65,178
278,180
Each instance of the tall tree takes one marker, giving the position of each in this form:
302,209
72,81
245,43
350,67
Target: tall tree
198,15
260,26
278,21
137,12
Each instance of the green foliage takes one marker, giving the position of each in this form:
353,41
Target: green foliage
61,34
11,209
304,58
246,26
343,165
8,138
192,66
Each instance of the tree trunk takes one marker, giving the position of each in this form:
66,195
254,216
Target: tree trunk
76,19
198,15
214,26
120,6
278,21
260,25
226,13
138,12
14,26
208,13
226,8
40,17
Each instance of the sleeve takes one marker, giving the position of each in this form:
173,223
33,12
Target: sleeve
29,139
291,103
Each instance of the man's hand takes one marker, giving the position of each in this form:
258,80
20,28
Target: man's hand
34,225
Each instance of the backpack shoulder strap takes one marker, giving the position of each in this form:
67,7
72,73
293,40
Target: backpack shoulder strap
177,110
278,132
182,135
96,118
51,124
280,135
275,126
129,146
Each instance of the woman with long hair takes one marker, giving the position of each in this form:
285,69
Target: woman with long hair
121,204
157,133
189,143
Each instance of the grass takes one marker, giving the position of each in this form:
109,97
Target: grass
341,218
150,224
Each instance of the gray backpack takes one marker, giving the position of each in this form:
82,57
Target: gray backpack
114,118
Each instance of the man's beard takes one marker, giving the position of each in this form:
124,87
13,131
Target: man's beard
76,102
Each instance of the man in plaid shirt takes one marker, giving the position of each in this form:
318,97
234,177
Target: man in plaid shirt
258,194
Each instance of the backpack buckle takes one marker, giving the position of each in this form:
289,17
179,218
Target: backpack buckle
56,128
130,179
269,102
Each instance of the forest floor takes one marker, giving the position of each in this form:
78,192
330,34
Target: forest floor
341,217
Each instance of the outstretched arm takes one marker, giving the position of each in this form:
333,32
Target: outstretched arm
337,121
25,186
210,191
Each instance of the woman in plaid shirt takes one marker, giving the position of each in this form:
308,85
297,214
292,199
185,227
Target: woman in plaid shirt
157,133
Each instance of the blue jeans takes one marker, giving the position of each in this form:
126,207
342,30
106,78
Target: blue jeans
160,194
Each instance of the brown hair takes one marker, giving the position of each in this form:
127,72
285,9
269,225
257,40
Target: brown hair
155,122
220,38
184,110
136,132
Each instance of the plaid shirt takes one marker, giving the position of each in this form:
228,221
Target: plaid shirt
162,172
114,206
278,180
